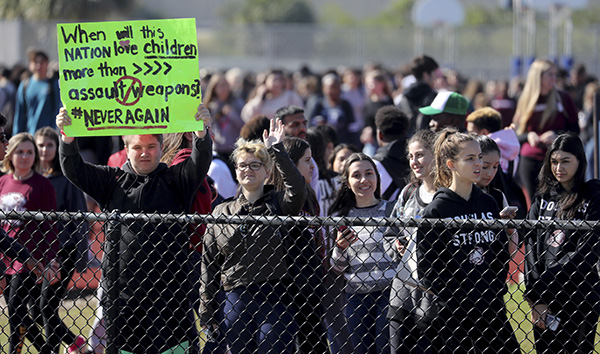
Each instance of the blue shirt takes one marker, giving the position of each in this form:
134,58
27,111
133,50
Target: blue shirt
38,107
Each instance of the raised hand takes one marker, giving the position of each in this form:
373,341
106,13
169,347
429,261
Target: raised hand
62,120
204,115
275,134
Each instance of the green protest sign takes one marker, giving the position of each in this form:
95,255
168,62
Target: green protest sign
129,77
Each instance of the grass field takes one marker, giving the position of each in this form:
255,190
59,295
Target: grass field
518,312
79,315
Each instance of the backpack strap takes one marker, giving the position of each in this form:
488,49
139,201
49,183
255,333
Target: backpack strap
389,208
408,192
390,190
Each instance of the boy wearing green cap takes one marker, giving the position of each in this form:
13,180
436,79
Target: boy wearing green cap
447,109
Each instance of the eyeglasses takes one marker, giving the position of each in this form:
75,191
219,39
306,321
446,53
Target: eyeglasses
3,138
254,166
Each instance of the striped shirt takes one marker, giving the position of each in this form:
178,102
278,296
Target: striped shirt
366,265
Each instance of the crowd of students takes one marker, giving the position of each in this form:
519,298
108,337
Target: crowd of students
401,145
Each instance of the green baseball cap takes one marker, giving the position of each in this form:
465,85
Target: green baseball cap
446,102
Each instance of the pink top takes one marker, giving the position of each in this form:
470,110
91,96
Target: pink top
508,142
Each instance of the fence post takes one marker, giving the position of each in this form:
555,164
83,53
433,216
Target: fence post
111,277
595,135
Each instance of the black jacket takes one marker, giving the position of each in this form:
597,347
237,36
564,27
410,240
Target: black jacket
416,96
466,268
560,265
153,256
393,157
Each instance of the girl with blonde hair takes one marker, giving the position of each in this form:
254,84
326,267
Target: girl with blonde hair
22,188
542,113
248,261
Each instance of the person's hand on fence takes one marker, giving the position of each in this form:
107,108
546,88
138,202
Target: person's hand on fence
275,133
52,273
345,238
538,315
204,115
62,120
211,332
508,213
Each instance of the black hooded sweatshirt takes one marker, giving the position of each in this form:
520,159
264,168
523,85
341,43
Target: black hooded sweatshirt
560,265
153,257
416,96
465,268
393,157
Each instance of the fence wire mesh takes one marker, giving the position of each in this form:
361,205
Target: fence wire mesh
283,284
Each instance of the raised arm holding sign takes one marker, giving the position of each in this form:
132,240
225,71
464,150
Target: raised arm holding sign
139,79
151,284
63,120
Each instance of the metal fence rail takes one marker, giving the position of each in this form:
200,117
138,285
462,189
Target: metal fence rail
309,295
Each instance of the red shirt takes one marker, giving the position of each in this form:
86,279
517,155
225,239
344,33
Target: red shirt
117,159
565,120
38,237
201,204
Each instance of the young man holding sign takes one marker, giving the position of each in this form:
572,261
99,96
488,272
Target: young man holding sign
154,308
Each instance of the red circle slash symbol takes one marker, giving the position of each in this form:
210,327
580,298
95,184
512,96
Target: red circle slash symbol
131,86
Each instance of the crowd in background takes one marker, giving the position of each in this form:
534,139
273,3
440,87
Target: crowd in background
234,96
357,142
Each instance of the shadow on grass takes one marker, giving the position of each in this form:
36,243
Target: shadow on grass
78,315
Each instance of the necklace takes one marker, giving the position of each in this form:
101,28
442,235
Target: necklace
22,178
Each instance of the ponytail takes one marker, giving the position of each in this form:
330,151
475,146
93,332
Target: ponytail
447,147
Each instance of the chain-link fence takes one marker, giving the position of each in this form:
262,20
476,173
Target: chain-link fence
410,285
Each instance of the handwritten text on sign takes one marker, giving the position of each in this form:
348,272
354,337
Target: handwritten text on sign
129,77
